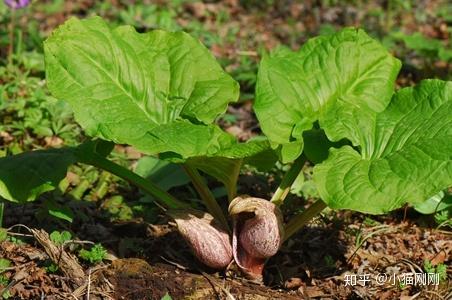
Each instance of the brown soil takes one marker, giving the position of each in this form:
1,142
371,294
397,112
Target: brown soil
313,264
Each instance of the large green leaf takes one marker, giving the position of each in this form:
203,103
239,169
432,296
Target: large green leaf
226,170
225,165
158,91
407,156
25,176
438,202
163,173
339,79
317,145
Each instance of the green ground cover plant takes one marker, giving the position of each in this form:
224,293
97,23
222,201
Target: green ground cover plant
333,103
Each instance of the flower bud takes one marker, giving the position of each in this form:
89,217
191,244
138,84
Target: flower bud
208,240
258,233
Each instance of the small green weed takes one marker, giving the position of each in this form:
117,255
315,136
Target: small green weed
440,269
58,238
52,268
166,297
95,255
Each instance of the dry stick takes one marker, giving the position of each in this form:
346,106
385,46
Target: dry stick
206,195
18,277
18,225
68,264
376,230
88,289
213,284
20,234
174,263
438,295
81,290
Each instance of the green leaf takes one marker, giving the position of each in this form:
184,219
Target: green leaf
263,161
58,238
158,91
4,263
418,42
317,145
165,174
182,139
406,157
445,54
434,204
337,79
58,211
166,297
226,170
103,148
25,176
225,165
3,234
95,255
257,153
304,187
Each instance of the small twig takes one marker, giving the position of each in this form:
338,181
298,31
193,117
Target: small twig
438,295
80,291
446,223
174,263
18,277
212,282
76,242
89,284
110,285
375,230
412,264
67,263
20,234
18,225
73,296
135,291
415,296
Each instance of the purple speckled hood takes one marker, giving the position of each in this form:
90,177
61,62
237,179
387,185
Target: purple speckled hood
15,4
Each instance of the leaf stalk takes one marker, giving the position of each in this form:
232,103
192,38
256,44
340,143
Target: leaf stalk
288,180
301,219
162,197
206,195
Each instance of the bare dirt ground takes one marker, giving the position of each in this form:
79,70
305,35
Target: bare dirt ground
313,264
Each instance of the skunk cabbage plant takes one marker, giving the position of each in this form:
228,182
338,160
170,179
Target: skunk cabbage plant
258,233
333,103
